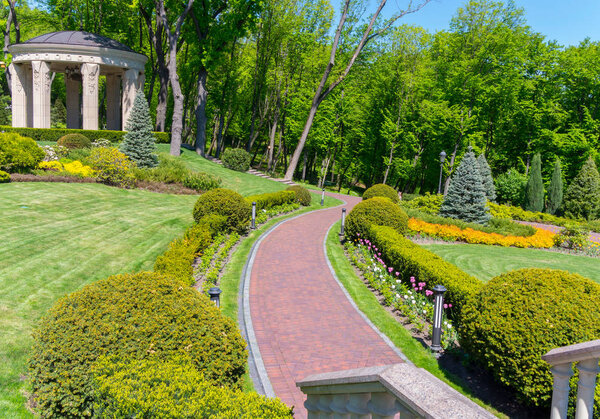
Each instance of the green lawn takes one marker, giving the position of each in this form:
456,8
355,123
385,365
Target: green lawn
55,238
486,262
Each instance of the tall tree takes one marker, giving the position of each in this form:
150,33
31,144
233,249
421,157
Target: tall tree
139,143
555,194
486,178
582,199
534,191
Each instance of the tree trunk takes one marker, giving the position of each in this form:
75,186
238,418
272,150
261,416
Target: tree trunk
389,164
304,165
452,160
201,112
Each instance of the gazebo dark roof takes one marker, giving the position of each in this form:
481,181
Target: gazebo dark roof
78,38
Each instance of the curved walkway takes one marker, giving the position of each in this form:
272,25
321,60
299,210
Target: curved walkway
302,320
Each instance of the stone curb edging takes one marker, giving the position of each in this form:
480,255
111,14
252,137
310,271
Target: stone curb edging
351,301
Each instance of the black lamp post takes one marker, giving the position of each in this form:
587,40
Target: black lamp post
342,228
323,197
253,215
442,159
438,305
215,295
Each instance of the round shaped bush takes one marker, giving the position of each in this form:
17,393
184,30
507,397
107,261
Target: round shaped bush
19,154
4,177
519,316
303,197
377,210
228,203
128,317
72,141
236,159
381,190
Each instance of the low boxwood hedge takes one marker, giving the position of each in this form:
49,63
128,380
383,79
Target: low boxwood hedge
227,203
272,199
131,316
53,134
379,211
382,189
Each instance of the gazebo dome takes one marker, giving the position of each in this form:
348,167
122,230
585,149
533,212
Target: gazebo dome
78,38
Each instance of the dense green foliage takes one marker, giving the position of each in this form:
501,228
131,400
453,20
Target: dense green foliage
73,141
19,154
555,192
534,190
227,203
112,167
519,316
4,177
53,134
152,388
128,316
466,197
382,190
486,177
201,181
303,196
427,203
272,199
510,188
379,211
236,159
582,199
139,143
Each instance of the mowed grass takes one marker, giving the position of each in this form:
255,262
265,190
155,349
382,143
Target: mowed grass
56,238
486,262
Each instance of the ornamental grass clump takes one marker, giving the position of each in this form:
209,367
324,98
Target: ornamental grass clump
519,316
376,211
381,189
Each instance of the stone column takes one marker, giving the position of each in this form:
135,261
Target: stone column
42,82
560,390
130,84
113,102
73,107
19,86
89,74
586,387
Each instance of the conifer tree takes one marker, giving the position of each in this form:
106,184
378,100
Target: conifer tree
555,194
139,143
534,191
486,178
58,115
466,198
582,199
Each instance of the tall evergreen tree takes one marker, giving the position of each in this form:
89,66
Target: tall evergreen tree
582,199
555,194
466,198
139,143
534,191
58,115
486,178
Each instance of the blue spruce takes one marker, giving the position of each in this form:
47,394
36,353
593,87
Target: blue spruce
139,143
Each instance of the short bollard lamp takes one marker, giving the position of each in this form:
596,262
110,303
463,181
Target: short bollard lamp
215,296
253,215
343,226
438,306
323,197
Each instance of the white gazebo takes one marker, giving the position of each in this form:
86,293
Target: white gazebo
83,57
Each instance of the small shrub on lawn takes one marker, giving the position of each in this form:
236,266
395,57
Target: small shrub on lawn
376,211
519,316
575,237
382,190
227,203
173,389
19,154
4,177
303,196
128,317
112,167
427,203
73,141
272,199
201,181
236,159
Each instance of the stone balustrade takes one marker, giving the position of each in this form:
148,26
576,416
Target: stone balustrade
586,356
390,391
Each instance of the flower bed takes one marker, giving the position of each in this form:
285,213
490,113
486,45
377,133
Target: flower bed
541,238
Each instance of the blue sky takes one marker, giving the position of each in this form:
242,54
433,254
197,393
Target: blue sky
568,22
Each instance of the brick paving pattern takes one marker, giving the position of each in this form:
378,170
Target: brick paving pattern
303,322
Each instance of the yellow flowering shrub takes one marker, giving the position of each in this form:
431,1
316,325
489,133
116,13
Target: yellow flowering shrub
51,165
541,238
74,168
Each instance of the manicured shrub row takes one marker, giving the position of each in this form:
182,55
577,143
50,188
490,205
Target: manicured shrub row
378,210
382,190
227,203
519,316
19,154
236,159
541,238
272,199
412,260
53,134
303,196
151,388
128,317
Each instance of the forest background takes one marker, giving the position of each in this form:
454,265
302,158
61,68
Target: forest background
243,73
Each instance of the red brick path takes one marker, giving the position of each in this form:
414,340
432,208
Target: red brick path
303,322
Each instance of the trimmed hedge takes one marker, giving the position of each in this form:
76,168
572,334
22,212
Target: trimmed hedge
384,190
303,196
379,211
412,260
236,159
227,203
74,141
519,316
128,317
152,388
272,199
53,134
